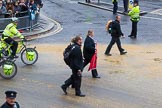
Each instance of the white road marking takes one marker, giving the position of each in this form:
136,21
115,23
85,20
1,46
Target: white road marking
156,12
153,18
57,30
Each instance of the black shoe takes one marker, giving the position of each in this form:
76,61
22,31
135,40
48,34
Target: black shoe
108,54
80,95
123,53
16,56
12,57
64,89
133,37
97,77
130,36
125,12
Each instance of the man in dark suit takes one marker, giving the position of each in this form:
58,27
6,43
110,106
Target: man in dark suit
10,100
89,50
116,34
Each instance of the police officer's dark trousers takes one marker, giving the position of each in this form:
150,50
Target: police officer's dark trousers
125,2
87,1
14,44
112,42
94,71
115,8
76,80
134,28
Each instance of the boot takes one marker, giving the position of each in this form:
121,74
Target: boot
95,74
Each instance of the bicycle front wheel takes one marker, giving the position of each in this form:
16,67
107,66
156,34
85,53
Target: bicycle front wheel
29,56
9,69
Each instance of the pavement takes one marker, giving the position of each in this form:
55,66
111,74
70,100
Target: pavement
44,26
108,6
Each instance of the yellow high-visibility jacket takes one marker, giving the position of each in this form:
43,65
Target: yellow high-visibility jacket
114,1
135,13
11,31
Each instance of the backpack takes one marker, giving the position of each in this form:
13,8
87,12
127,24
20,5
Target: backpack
109,26
67,53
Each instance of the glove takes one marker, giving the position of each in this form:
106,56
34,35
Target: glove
24,39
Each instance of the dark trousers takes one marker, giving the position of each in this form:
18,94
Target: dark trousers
115,8
125,2
94,71
88,1
14,44
134,29
112,42
75,79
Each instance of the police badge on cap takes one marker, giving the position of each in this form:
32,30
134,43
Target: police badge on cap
10,94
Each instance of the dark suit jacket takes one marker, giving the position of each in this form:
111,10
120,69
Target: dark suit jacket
116,29
76,58
6,105
89,48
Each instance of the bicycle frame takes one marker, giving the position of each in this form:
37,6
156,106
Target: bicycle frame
7,47
21,47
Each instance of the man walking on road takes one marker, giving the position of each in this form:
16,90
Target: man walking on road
89,50
76,64
116,34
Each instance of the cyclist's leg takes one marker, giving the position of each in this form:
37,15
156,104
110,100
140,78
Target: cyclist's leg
14,44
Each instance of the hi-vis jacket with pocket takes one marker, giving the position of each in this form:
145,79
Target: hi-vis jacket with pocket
134,14
11,31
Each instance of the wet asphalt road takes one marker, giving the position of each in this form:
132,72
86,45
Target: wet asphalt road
124,84
77,19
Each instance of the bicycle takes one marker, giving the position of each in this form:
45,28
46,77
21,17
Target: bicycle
9,68
29,56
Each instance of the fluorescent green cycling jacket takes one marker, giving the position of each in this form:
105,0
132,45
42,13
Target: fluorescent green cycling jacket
114,1
11,31
135,13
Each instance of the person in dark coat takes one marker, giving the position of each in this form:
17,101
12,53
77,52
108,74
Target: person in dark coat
116,34
10,100
125,3
115,8
89,50
77,66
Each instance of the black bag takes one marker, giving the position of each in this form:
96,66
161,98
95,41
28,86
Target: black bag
66,54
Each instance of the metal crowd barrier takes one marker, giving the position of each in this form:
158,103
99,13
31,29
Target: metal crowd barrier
24,21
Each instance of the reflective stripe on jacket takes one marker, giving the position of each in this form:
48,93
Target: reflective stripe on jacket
135,13
11,31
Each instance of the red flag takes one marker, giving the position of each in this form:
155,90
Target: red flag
93,62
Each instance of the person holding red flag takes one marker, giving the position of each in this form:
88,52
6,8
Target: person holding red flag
90,53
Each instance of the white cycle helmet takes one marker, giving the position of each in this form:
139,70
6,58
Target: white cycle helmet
14,19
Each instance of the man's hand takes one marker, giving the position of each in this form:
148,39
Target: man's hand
79,73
